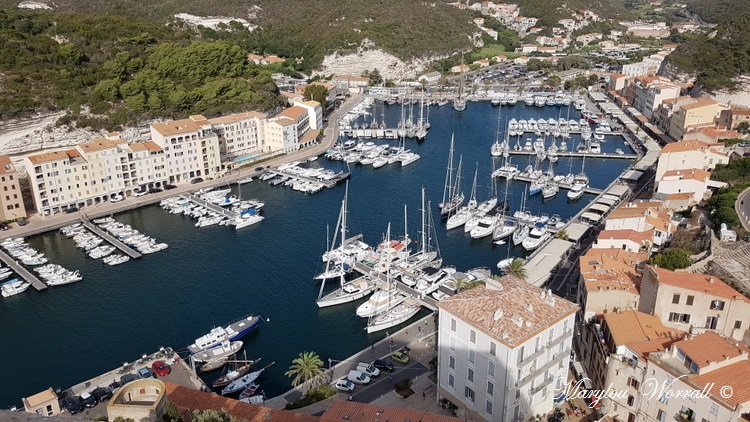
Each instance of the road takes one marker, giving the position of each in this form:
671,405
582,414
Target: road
382,385
742,207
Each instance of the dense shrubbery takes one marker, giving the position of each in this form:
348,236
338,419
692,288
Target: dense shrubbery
722,203
718,10
673,259
121,69
735,171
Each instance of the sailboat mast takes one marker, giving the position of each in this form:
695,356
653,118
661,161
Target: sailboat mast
421,110
474,186
424,229
406,226
448,176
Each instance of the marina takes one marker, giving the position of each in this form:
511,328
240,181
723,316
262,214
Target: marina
224,273
112,240
22,272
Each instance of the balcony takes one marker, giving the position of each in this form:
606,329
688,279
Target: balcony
531,357
550,344
556,358
538,388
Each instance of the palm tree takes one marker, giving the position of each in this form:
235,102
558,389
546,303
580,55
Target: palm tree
561,234
516,269
307,367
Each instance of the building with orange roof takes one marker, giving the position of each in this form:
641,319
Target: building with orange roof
617,81
350,83
652,91
59,180
239,134
254,58
626,239
292,97
272,60
710,134
503,349
714,366
696,182
731,118
460,68
331,92
690,154
314,113
642,217
607,336
191,148
694,302
11,198
609,282
352,411
694,113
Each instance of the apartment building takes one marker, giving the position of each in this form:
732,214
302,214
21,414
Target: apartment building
699,112
694,302
239,134
59,180
693,181
191,148
314,113
627,239
732,118
609,281
503,350
11,200
714,368
642,217
690,154
650,91
281,135
606,336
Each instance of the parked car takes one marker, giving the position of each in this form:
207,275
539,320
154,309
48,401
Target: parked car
127,378
384,365
69,210
114,386
345,385
400,357
88,400
368,369
22,221
155,190
72,404
259,168
4,226
140,193
161,368
145,373
196,180
358,377
168,187
116,198
102,393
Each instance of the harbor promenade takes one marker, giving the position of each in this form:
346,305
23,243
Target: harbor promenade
40,224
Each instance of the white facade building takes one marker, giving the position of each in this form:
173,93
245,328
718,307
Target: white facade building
504,350
191,148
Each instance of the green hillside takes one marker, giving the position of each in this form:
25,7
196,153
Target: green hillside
550,11
717,11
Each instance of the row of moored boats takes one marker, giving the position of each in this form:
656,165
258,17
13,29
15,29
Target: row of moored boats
216,207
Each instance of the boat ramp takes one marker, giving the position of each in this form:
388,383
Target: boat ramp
127,250
22,272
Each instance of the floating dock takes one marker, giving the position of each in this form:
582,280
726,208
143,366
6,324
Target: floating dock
327,183
562,185
111,239
211,206
580,154
22,272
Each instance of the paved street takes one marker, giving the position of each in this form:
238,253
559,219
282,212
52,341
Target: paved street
742,207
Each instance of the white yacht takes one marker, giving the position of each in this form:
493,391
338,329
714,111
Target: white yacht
505,227
575,192
395,315
245,220
379,302
538,235
348,292
521,233
13,287
484,227
550,189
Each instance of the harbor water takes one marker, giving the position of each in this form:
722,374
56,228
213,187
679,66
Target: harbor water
209,276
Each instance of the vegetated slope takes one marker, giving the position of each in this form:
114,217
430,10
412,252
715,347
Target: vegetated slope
716,11
550,11
717,61
121,69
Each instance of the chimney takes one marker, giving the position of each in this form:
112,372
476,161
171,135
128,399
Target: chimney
498,314
711,279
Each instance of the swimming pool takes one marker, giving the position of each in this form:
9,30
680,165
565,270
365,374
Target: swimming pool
245,158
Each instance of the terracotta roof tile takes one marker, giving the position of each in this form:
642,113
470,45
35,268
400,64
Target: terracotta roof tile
736,376
152,146
632,235
176,127
310,135
284,121
633,326
525,310
293,113
740,112
643,348
97,145
53,156
352,411
187,399
40,398
232,118
690,174
682,146
699,102
611,269
6,166
709,347
697,282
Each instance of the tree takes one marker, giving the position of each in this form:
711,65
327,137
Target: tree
375,78
672,259
317,93
561,234
554,81
516,269
743,127
307,367
213,416
463,284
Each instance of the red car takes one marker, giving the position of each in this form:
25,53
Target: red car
161,368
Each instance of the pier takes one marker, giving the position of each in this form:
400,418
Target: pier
109,238
22,272
380,279
562,185
327,183
579,154
213,207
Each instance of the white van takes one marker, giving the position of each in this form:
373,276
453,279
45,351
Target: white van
368,369
358,378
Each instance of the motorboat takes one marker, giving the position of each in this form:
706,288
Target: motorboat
245,180
439,295
245,220
379,302
576,191
219,336
538,235
504,228
521,233
116,259
223,350
550,189
13,287
484,227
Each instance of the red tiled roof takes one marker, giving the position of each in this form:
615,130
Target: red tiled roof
351,411
186,399
697,282
736,376
710,347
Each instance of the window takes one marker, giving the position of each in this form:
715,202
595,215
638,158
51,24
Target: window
469,393
451,380
453,325
661,416
520,354
472,336
632,382
493,349
711,322
631,417
717,305
737,325
452,362
631,400
714,409
675,298
470,375
488,407
491,368
690,300
490,388
453,343
677,317
472,356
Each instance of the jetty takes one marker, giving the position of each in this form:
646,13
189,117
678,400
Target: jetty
22,272
562,185
380,281
335,180
127,250
211,206
579,154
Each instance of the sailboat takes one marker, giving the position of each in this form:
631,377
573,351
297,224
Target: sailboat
550,187
239,369
348,291
452,197
421,133
466,212
522,231
498,148
243,382
459,104
426,254
505,226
